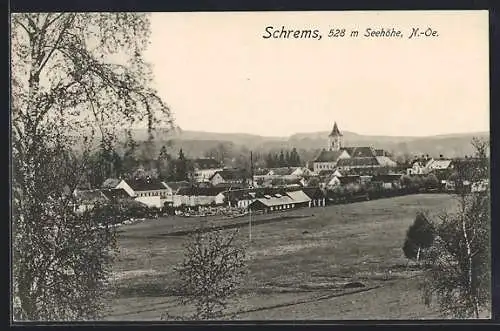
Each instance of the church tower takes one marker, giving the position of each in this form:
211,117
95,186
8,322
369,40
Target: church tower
335,139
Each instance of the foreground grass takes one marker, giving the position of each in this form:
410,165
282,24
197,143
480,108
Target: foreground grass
298,265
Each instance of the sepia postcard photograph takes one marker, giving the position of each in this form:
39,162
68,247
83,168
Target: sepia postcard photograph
250,166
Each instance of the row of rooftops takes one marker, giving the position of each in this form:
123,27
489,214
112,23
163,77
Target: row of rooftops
104,194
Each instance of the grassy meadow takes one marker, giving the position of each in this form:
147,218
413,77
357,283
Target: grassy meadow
299,263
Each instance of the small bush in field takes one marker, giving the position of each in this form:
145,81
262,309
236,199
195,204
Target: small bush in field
420,236
211,273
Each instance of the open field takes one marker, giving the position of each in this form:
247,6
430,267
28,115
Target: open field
299,262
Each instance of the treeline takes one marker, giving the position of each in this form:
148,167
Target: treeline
134,163
283,159
234,155
373,190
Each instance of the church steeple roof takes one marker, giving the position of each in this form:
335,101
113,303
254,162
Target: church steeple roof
335,131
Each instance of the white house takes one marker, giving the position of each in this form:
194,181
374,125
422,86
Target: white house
172,188
418,168
229,176
198,196
151,192
113,183
289,171
439,164
204,168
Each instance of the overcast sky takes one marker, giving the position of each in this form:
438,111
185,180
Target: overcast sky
218,74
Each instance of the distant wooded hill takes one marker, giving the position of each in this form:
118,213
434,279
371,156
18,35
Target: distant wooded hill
197,143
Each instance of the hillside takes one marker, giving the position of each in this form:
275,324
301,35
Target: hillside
196,143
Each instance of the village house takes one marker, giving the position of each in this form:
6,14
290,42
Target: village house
242,198
149,191
204,168
172,188
114,183
288,181
229,176
117,194
198,196
88,199
439,164
289,171
418,168
279,201
317,196
388,181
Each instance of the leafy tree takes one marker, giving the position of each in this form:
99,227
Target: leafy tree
295,158
181,167
269,161
281,160
211,273
165,165
130,159
420,236
74,75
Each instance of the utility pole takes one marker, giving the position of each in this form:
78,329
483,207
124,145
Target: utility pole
250,225
250,209
251,168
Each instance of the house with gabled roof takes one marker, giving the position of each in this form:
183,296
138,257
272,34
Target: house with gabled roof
204,168
198,196
439,164
89,198
115,183
229,176
149,191
280,201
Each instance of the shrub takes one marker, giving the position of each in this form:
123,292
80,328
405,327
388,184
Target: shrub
211,273
420,235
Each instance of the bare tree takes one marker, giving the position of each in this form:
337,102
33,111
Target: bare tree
459,275
211,273
77,78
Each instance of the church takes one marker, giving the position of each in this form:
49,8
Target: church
338,157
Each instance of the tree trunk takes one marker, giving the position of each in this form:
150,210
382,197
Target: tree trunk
472,291
418,255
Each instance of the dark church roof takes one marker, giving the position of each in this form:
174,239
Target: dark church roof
328,156
335,131
363,151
